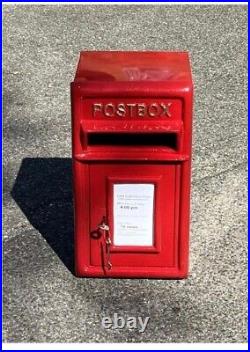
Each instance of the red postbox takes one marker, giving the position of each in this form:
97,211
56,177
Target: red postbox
131,122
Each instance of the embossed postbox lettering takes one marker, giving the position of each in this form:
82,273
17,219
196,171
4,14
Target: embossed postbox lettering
131,110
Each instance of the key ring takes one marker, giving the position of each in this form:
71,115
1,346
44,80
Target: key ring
105,228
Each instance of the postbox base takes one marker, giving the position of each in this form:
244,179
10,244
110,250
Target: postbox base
132,273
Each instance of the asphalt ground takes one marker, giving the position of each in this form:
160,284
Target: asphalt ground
43,300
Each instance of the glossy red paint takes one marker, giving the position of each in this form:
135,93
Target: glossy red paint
132,123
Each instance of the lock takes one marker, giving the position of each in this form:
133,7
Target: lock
132,137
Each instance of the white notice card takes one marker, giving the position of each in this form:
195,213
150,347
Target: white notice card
133,214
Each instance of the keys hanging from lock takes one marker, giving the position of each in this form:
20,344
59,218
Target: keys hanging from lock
105,229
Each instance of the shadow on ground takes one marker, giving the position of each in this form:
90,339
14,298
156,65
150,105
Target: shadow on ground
43,191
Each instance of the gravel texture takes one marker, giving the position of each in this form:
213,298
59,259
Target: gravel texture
43,301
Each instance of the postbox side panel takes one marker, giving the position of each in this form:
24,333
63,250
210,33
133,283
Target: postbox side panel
164,180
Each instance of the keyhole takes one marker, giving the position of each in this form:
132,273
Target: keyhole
96,234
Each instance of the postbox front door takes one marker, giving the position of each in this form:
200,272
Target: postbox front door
139,206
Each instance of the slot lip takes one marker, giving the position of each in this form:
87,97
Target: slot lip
131,155
146,126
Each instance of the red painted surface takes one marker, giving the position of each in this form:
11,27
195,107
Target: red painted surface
131,123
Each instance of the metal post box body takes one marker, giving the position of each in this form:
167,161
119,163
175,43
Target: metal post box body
131,134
